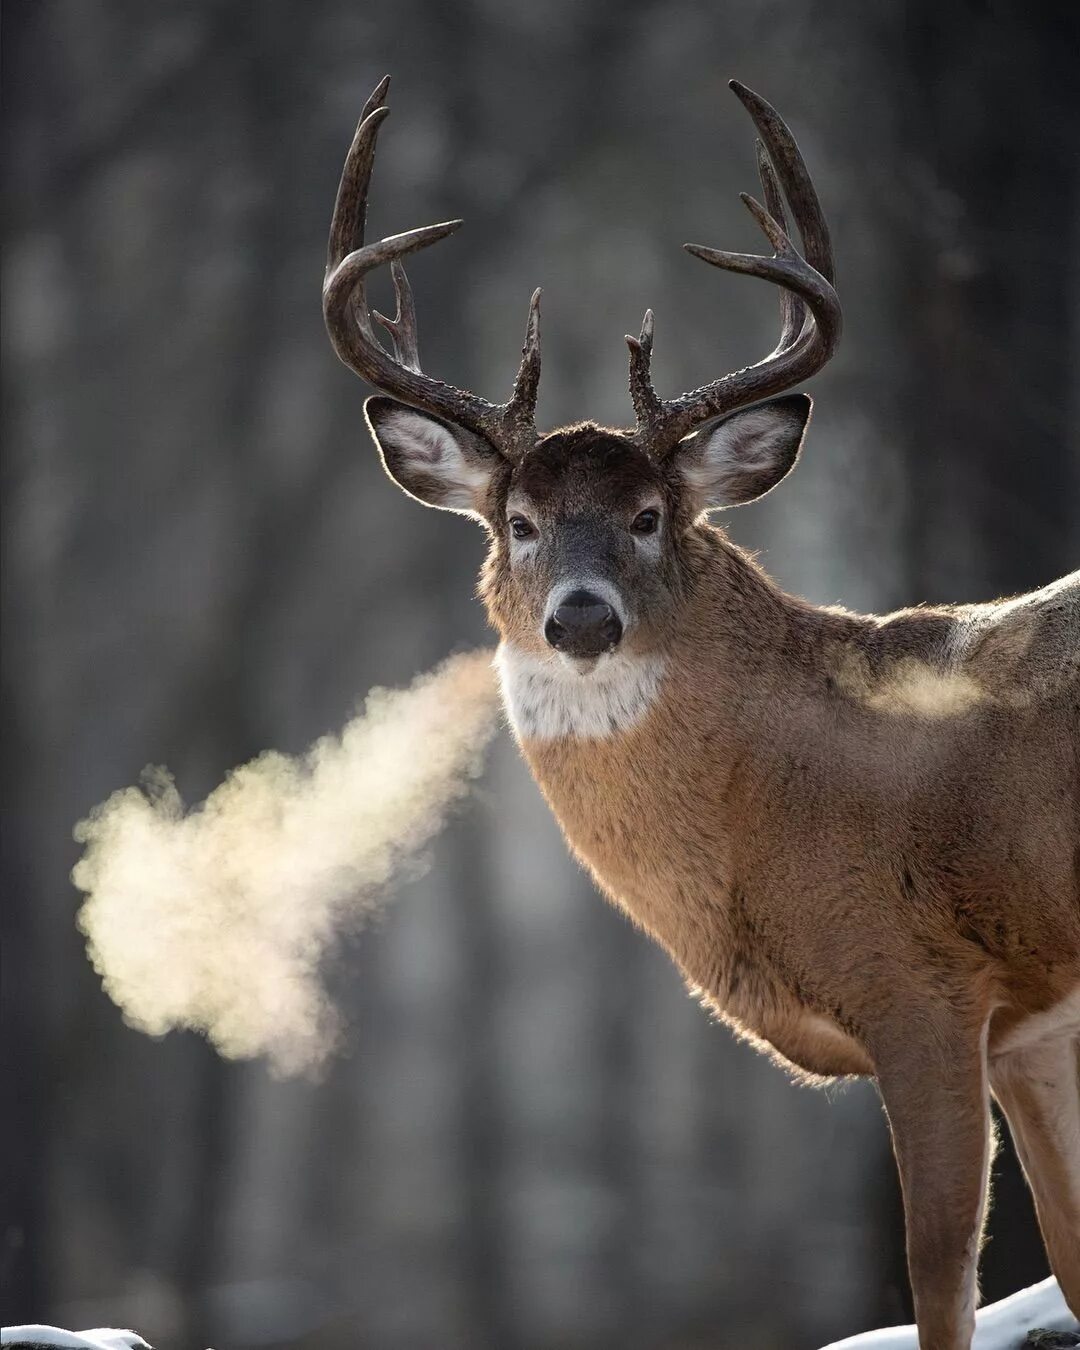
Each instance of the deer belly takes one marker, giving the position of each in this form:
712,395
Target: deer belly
1059,1022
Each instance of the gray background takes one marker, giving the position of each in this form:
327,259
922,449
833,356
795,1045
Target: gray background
537,1139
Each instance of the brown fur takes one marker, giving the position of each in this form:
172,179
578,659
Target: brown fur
858,837
823,851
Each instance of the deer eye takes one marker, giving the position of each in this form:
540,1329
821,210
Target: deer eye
646,522
520,528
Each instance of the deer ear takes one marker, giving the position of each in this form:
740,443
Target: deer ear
436,462
745,455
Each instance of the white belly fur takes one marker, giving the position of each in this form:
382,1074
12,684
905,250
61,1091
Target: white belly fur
1062,1020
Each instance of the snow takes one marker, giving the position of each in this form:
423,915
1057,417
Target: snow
999,1326
100,1338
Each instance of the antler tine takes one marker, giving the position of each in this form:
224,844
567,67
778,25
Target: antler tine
509,427
521,407
809,311
786,268
350,208
795,177
345,305
792,310
402,327
646,402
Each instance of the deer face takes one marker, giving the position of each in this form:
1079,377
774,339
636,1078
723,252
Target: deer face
588,530
588,526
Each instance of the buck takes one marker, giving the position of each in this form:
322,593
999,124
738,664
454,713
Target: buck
858,837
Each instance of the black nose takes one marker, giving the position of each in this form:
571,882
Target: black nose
583,625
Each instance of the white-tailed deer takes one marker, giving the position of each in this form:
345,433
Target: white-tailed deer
858,837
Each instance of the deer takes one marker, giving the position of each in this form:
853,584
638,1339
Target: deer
856,836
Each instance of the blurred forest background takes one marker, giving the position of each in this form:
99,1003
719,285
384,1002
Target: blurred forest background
537,1139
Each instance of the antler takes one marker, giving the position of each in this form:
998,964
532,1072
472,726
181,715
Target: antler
509,427
810,318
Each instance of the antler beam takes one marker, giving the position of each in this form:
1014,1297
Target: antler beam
509,427
810,316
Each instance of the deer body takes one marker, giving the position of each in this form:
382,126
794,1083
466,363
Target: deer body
859,840
783,815
857,837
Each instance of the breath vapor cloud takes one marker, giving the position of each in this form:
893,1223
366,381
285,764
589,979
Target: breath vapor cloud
217,918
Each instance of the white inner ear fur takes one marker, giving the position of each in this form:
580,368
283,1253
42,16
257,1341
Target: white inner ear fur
739,448
433,448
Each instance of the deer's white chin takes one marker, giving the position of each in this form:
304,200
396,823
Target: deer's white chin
581,665
552,696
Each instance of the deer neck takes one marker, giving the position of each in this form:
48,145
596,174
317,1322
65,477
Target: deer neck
633,756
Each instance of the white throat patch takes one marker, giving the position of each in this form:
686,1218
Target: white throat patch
546,699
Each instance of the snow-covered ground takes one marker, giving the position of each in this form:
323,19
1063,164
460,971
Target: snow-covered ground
101,1338
999,1326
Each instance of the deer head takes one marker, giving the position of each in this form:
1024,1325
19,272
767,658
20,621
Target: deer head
591,528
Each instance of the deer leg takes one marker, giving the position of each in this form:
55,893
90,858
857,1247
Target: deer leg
1038,1088
937,1100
